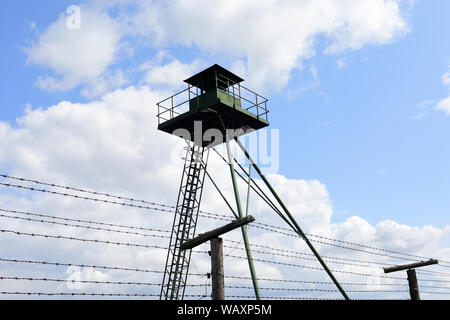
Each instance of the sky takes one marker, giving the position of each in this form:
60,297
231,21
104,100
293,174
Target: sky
359,93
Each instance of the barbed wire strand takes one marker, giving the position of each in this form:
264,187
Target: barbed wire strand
84,221
311,267
85,198
82,239
85,227
85,191
134,283
93,266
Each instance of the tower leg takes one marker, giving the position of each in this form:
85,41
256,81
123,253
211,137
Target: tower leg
243,228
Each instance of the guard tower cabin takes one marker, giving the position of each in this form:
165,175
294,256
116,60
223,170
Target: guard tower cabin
211,93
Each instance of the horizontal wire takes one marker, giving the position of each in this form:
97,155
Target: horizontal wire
79,281
303,258
84,191
147,295
84,227
315,289
82,240
435,287
298,254
434,280
160,272
83,221
309,267
277,298
435,292
294,235
315,282
430,272
78,294
85,198
355,244
94,266
17,278
63,264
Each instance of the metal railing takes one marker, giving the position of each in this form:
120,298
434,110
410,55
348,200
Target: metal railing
250,100
178,104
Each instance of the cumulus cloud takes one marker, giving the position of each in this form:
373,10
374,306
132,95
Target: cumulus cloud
273,37
76,56
446,79
265,40
444,104
169,74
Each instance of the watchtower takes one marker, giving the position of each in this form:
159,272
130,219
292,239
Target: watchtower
214,108
213,102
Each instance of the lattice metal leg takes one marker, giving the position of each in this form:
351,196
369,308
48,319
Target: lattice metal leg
184,223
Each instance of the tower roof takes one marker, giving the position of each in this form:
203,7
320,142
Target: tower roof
202,79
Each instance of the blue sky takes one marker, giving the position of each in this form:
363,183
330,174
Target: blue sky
367,130
357,130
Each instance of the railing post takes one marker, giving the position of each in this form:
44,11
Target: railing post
257,106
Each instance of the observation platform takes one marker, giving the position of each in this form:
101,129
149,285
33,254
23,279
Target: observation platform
211,93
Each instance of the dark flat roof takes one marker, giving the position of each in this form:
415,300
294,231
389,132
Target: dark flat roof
195,80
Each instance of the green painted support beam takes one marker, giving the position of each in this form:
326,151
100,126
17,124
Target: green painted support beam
239,207
297,229
221,194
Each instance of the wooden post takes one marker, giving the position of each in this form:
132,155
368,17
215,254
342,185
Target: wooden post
411,272
217,271
204,237
413,285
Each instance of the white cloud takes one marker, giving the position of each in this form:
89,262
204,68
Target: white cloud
444,105
366,22
446,79
76,56
273,38
341,63
170,74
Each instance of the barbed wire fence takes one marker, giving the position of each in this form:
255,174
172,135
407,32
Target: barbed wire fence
358,265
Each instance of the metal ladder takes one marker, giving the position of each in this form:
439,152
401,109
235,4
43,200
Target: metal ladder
184,223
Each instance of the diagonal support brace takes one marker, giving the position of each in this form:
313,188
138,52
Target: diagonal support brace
296,228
